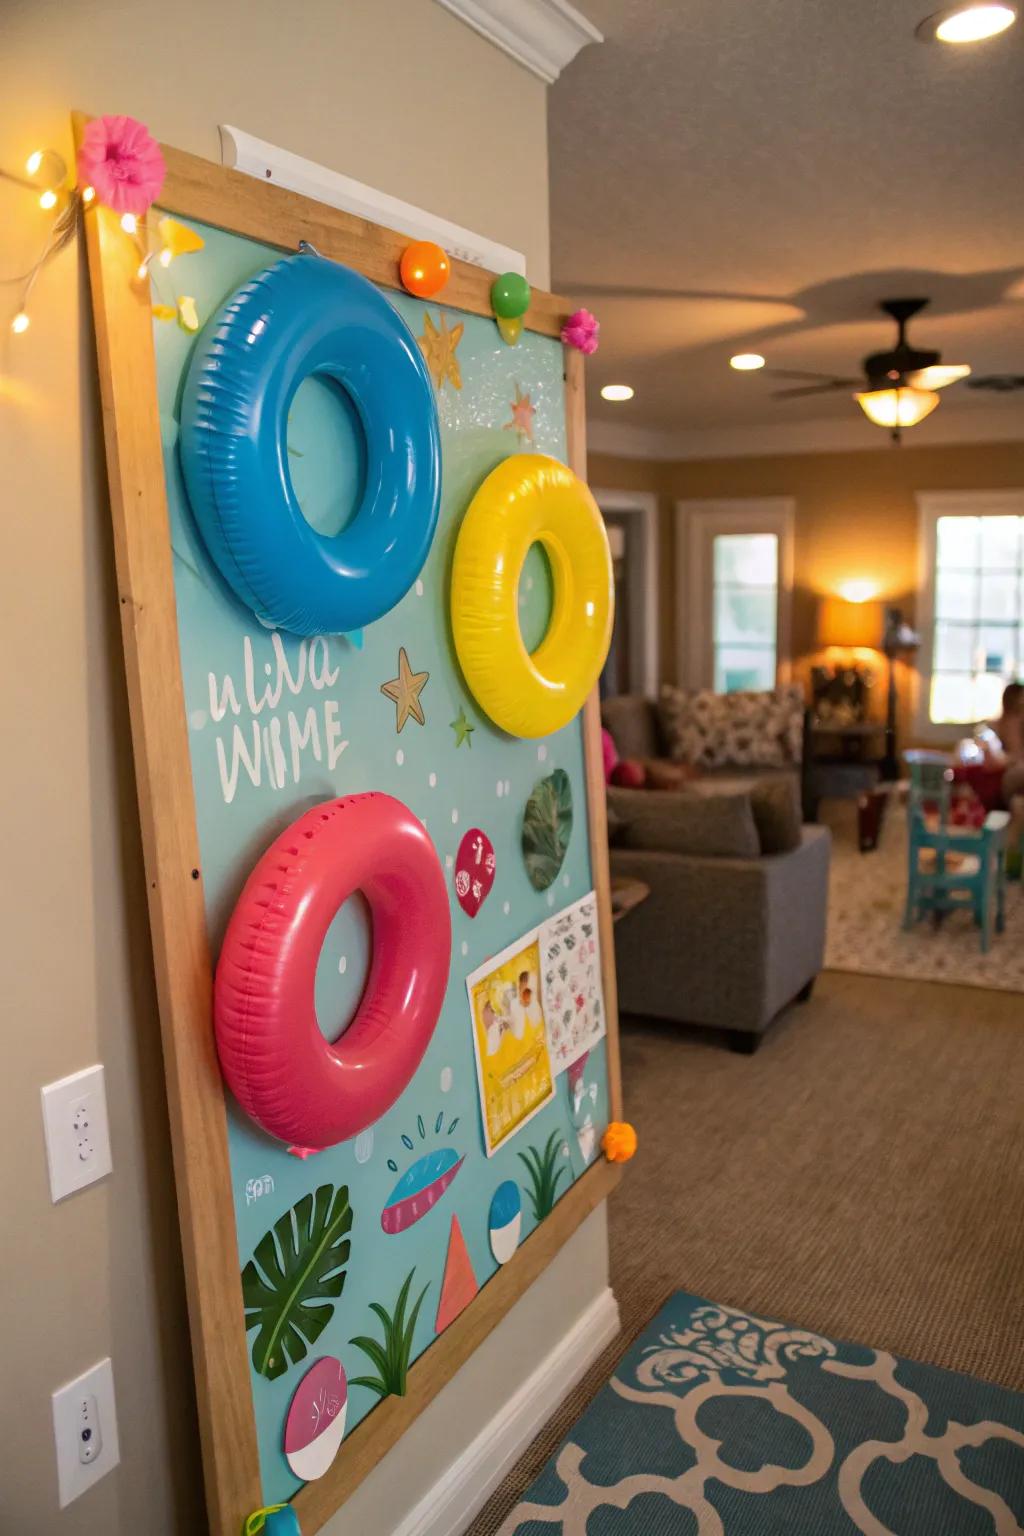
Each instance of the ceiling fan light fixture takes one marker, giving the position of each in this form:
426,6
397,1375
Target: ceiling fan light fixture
746,362
895,408
971,22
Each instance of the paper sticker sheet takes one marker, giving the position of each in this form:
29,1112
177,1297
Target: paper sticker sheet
571,990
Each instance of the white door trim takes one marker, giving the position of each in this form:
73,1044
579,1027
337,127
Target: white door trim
645,668
696,523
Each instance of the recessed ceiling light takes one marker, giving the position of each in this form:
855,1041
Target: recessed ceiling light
746,362
968,23
617,392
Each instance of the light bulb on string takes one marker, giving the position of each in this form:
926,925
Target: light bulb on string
20,323
129,223
33,162
48,199
88,193
166,256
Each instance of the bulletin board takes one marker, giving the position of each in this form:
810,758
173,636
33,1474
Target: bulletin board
445,1209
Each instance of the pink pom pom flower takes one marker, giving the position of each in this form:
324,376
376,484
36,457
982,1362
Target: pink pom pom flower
120,159
581,331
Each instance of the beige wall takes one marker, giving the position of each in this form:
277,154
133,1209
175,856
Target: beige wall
856,516
398,94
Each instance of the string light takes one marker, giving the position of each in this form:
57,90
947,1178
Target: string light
33,162
129,223
166,256
88,193
143,271
48,199
20,322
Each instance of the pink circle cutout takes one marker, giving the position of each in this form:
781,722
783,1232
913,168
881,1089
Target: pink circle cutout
295,1084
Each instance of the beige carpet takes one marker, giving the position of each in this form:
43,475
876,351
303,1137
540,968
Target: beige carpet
866,896
861,1176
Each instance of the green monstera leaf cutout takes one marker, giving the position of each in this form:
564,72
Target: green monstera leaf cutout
547,828
294,1277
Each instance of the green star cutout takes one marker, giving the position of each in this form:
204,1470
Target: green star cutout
462,728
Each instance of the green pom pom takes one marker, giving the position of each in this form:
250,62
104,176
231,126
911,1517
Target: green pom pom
510,296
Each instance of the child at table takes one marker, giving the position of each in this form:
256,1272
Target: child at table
1009,755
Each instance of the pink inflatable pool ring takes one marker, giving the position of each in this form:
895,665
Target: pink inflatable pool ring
293,1082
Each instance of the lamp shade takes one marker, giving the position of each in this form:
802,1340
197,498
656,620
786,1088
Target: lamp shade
900,407
849,624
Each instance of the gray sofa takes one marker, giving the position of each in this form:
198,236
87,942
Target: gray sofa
734,927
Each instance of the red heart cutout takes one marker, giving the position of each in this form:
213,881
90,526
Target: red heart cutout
474,871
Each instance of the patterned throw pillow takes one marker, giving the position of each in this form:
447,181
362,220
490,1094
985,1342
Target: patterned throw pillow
742,730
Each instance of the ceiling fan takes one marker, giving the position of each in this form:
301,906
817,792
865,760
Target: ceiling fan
899,387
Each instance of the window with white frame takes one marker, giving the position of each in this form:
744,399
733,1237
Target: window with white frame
973,601
734,574
745,610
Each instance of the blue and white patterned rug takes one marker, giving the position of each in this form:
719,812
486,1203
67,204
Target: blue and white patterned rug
717,1423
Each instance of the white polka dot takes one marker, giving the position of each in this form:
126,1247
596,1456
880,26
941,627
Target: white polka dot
399,757
364,1146
446,1079
197,719
465,947
542,753
551,898
565,880
449,860
500,789
455,818
507,908
419,589
432,780
508,786
342,965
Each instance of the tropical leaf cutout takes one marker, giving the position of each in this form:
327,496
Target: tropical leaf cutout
295,1276
391,1357
543,1174
547,828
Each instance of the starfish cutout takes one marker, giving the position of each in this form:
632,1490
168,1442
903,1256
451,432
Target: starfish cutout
405,690
438,345
462,728
522,408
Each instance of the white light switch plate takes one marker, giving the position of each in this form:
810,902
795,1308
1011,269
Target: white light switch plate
85,1431
77,1135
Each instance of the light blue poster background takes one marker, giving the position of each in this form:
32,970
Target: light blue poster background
277,724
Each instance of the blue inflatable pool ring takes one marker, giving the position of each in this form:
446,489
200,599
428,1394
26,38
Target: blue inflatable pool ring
306,315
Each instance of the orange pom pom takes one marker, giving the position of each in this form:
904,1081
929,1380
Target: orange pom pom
424,268
619,1142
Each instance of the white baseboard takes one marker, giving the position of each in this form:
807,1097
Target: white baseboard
466,1485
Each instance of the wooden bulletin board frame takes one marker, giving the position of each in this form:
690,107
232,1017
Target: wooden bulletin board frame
198,189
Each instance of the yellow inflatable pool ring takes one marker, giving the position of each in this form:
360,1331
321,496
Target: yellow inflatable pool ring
531,499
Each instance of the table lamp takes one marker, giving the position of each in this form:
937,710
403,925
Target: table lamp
840,691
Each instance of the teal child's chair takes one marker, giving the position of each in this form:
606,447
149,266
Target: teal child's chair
975,877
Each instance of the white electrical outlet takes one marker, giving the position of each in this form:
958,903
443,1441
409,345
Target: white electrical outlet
85,1431
77,1136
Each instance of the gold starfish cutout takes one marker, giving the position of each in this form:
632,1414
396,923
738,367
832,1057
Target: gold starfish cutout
439,344
522,408
405,690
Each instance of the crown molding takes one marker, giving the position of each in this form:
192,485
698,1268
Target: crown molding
542,35
987,424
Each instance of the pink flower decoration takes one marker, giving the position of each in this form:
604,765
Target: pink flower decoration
123,162
581,331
